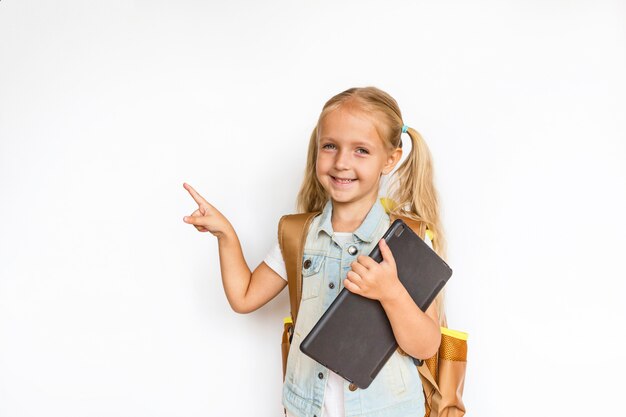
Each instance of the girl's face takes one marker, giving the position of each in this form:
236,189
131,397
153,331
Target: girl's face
351,157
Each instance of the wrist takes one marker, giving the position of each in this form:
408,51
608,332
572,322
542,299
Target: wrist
394,293
227,234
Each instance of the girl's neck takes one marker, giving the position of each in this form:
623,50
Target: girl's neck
347,217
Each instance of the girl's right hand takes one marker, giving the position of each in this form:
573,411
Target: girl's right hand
206,218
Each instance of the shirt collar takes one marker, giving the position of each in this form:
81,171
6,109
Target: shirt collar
365,232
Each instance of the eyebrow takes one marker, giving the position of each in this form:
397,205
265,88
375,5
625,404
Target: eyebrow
358,142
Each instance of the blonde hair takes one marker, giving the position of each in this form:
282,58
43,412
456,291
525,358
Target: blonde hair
411,187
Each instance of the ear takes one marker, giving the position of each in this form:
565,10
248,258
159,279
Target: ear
392,160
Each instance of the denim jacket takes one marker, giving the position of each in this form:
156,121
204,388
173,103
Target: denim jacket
397,389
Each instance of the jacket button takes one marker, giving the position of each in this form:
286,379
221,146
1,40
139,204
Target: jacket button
320,375
352,250
307,264
352,387
331,285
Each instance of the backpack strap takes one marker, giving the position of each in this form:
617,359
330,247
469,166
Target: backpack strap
417,226
292,232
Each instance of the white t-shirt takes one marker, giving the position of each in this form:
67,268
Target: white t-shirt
333,395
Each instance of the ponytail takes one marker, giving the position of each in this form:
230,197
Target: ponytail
413,193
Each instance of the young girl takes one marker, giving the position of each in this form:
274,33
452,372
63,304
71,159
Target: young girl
357,140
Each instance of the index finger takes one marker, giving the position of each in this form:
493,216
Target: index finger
194,194
366,261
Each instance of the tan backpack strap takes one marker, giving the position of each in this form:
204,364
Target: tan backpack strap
417,226
292,232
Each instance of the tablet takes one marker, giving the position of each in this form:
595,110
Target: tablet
353,337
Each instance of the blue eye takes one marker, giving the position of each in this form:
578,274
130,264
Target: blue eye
328,146
363,151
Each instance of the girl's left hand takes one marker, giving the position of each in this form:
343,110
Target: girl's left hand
371,279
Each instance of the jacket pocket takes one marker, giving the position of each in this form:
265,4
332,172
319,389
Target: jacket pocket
312,273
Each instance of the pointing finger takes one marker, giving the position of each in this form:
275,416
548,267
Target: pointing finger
194,194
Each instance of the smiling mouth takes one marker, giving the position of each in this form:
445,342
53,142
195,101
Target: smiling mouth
343,180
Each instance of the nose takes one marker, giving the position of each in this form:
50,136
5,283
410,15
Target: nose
342,159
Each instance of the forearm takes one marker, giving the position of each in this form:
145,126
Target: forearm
235,271
416,332
245,290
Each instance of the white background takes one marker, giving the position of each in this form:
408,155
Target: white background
110,305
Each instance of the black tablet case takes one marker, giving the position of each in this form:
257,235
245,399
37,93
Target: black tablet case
354,337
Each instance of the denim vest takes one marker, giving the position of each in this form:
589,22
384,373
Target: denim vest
397,389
